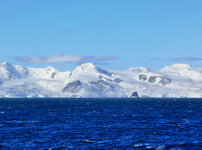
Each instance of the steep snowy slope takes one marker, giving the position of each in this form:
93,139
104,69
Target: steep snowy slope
88,80
9,71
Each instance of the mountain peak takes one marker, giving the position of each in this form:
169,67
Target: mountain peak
86,67
90,68
5,64
10,71
181,66
176,67
88,80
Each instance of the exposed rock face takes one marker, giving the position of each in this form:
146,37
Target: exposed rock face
134,95
9,76
87,80
53,75
104,78
117,80
165,81
103,71
153,79
73,87
142,77
101,86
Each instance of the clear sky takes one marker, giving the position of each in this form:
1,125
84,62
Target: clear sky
114,34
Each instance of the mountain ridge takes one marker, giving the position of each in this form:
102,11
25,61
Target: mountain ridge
89,80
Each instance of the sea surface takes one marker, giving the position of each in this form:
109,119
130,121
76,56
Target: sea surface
101,124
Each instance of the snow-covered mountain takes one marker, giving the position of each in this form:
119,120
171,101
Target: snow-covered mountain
88,80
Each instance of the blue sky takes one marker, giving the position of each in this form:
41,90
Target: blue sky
114,34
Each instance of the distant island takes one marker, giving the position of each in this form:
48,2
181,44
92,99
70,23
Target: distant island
90,81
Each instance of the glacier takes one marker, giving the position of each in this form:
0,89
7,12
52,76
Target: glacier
90,81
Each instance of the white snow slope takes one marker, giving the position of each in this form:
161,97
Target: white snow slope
87,80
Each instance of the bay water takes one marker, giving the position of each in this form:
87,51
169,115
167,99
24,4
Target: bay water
100,123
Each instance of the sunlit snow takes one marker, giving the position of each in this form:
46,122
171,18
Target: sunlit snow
88,80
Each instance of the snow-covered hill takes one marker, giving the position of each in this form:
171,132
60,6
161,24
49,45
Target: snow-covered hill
88,80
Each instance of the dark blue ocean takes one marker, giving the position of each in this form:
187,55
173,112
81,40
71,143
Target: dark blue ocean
101,124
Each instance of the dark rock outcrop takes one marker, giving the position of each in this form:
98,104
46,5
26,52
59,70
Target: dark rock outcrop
152,79
53,75
101,87
142,77
73,87
104,78
165,81
103,71
134,95
102,84
117,80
